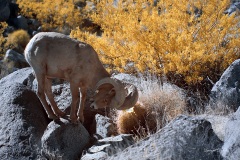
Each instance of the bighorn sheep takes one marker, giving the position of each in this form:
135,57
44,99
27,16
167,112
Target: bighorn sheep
54,55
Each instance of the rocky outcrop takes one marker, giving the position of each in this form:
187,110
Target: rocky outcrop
27,133
231,147
22,118
235,6
64,140
4,10
104,126
22,22
12,61
218,123
227,89
23,76
185,138
108,146
16,59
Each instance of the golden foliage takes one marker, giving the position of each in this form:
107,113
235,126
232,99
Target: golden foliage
18,40
3,26
191,39
53,14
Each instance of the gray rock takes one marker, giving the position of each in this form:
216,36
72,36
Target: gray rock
231,147
116,144
22,23
24,76
108,146
4,10
218,123
34,33
104,126
13,59
64,140
34,85
22,120
233,8
227,89
62,96
95,156
34,24
39,29
185,138
80,4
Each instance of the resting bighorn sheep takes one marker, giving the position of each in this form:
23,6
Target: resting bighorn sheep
54,55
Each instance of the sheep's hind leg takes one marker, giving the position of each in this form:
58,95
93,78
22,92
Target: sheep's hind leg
75,99
48,91
82,104
42,97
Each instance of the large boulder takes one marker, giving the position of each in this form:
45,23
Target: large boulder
24,76
227,89
104,126
17,59
64,140
12,61
4,10
22,22
231,147
184,138
109,146
22,118
218,122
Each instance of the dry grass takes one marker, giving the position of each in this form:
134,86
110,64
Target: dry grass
158,104
218,108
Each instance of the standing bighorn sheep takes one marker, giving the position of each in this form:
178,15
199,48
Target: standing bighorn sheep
54,55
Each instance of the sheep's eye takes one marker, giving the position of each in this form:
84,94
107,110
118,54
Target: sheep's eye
105,100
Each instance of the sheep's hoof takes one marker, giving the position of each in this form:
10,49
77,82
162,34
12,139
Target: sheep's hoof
73,119
81,119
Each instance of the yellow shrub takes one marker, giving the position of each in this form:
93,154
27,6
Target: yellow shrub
53,14
189,39
3,26
18,40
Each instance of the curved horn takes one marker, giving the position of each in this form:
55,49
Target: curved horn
120,95
131,98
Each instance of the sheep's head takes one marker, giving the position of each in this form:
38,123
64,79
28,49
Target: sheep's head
114,94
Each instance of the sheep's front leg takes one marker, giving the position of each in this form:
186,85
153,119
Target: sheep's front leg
75,99
42,97
48,91
81,105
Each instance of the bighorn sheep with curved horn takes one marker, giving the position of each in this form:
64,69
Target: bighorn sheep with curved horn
54,55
